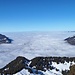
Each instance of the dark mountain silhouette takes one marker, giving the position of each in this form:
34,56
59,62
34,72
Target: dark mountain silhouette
4,39
35,65
71,40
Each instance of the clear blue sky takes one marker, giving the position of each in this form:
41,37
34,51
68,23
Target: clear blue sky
37,15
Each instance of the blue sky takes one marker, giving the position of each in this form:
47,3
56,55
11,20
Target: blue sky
37,15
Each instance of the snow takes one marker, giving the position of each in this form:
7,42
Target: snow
60,66
33,44
23,72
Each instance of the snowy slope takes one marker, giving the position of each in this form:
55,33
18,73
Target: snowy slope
32,44
60,66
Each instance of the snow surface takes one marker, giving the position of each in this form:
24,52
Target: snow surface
59,66
33,44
